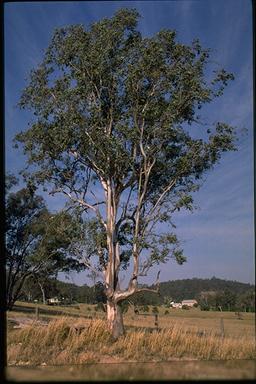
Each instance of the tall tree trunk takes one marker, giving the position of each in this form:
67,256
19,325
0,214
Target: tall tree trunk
29,296
115,319
43,292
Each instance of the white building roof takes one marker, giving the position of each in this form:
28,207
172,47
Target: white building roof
189,301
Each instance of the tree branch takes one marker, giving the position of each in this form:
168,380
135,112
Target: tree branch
86,205
122,295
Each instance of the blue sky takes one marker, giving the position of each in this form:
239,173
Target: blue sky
218,238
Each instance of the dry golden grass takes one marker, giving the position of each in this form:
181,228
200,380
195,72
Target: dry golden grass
196,319
61,343
178,343
193,318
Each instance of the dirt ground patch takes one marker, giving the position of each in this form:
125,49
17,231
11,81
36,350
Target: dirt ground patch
172,370
20,322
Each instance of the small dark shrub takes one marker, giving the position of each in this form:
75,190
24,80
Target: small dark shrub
136,310
204,307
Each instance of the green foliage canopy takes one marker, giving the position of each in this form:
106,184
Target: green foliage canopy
37,242
113,108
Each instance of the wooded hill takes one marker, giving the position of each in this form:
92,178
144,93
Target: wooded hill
190,288
210,293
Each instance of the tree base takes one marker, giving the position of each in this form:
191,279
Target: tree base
115,320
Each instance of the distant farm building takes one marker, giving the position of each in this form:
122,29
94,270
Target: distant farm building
53,301
189,303
175,305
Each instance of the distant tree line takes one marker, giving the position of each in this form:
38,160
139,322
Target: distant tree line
211,294
227,301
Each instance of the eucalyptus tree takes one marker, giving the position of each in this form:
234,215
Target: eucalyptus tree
36,242
115,130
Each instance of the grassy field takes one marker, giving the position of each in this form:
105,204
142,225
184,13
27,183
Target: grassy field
197,344
202,321
60,343
78,310
81,337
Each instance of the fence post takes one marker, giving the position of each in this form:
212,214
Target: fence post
156,320
37,313
222,331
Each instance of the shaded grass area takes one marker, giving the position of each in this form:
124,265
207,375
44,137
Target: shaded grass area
51,312
77,341
231,370
80,310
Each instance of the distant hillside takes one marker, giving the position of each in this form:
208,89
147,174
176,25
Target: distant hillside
190,288
176,290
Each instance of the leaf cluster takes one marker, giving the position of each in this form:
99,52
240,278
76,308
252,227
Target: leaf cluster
97,87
